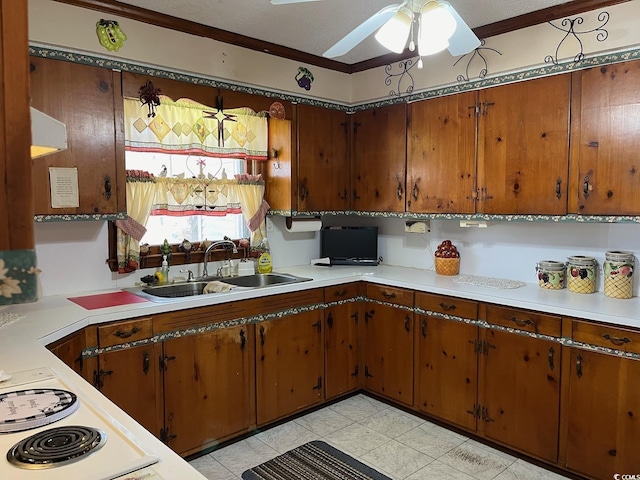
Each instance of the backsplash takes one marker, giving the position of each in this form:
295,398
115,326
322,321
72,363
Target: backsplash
72,255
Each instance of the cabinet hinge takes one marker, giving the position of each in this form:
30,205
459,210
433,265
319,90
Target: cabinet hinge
484,415
164,360
473,196
318,385
486,346
355,317
355,372
477,346
366,372
368,315
475,411
165,436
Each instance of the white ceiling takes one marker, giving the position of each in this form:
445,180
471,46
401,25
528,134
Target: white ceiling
313,27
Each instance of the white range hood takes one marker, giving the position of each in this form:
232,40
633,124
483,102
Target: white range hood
48,135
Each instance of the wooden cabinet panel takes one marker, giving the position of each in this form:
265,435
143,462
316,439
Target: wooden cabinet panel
88,101
603,414
397,296
207,387
130,378
342,370
447,305
621,339
441,155
127,331
523,147
605,118
519,390
446,370
388,352
279,170
379,159
289,365
69,349
323,159
522,319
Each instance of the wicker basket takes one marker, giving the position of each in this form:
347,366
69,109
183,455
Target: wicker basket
447,266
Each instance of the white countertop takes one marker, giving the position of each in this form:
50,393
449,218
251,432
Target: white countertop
22,343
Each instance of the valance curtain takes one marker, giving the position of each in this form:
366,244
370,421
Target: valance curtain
187,127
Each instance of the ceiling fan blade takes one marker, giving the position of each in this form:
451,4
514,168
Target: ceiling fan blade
463,39
362,31
284,2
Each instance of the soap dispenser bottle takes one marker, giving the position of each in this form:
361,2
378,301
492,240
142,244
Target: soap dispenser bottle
264,261
165,270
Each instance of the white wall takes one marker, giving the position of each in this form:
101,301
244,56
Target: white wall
72,256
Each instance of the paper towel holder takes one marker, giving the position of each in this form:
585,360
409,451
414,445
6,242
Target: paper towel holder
289,220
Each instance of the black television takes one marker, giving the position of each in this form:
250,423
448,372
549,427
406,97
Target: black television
349,245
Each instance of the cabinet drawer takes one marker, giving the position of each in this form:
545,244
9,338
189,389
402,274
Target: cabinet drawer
341,292
605,336
397,296
447,305
522,319
123,332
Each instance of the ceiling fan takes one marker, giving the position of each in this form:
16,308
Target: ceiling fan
438,27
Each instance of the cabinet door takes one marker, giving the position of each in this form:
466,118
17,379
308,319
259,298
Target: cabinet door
379,159
441,155
279,169
605,115
446,370
388,341
523,147
87,100
130,379
519,390
603,414
341,348
289,365
323,159
207,387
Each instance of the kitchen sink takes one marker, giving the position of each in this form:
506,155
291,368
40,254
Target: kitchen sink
188,289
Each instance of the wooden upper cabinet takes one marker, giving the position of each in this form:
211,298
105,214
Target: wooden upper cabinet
441,161
323,159
279,170
379,159
88,101
523,147
605,118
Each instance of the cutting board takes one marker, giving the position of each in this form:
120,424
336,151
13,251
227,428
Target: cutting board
105,300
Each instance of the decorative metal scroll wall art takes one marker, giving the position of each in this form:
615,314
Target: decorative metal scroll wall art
568,26
477,53
404,76
150,96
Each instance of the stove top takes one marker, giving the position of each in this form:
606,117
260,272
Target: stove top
106,449
57,446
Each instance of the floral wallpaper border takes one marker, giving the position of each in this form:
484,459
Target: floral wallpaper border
565,341
568,218
18,277
80,217
38,50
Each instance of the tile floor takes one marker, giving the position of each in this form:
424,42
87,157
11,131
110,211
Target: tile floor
392,441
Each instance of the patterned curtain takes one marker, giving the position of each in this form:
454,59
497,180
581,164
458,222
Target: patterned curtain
189,127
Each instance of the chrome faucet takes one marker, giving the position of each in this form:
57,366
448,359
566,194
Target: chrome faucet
205,272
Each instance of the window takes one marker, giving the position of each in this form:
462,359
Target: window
192,226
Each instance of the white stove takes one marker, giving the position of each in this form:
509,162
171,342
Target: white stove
107,449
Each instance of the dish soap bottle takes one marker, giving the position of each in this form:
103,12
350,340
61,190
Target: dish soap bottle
164,271
264,261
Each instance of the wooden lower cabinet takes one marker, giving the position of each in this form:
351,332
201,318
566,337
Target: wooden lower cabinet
603,415
289,365
342,370
207,387
130,378
69,349
446,362
388,345
519,380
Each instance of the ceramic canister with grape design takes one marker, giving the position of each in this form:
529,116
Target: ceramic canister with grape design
618,274
550,274
581,274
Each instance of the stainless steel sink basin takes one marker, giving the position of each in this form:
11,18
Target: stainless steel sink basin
263,280
188,289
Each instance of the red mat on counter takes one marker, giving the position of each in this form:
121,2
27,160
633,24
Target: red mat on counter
105,300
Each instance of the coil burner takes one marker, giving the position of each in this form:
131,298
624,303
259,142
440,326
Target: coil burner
56,447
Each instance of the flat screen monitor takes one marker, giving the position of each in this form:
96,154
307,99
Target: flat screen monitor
350,245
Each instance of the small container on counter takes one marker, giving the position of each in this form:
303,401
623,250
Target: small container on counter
581,274
551,274
618,274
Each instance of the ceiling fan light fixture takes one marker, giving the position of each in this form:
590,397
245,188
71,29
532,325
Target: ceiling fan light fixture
436,21
430,44
394,33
